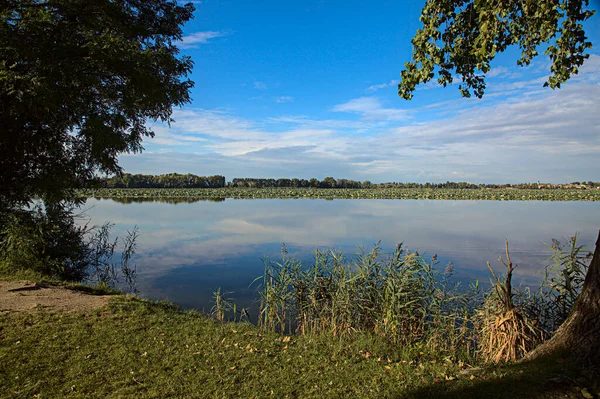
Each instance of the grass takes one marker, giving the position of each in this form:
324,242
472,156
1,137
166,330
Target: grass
142,349
172,194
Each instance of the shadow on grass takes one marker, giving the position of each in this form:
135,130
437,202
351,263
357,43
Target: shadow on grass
544,378
137,304
91,289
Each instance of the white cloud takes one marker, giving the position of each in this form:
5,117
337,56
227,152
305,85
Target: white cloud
544,135
197,38
284,99
371,108
260,85
374,88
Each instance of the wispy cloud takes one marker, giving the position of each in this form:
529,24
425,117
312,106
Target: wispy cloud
260,85
371,108
284,99
525,135
197,38
374,88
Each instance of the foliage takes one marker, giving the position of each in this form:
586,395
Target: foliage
45,242
565,277
462,37
563,282
144,349
333,193
49,243
171,180
79,79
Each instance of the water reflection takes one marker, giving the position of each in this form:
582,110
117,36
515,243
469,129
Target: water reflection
188,250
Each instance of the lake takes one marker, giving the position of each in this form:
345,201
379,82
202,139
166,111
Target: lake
188,250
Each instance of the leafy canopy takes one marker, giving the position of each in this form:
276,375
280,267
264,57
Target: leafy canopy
79,79
462,37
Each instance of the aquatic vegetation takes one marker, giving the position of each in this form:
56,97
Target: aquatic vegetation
408,300
401,297
501,194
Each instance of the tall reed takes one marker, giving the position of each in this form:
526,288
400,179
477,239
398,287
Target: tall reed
409,300
401,296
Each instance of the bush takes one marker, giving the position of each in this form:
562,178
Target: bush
47,241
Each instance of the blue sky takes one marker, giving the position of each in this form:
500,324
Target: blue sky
309,89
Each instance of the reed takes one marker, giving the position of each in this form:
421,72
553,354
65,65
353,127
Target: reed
407,300
402,297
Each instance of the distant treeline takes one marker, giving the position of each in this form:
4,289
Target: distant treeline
171,180
330,182
175,180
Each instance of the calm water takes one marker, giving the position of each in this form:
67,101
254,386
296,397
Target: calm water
187,250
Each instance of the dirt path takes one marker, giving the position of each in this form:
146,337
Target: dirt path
25,296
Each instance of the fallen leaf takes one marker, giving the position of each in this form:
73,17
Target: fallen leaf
586,394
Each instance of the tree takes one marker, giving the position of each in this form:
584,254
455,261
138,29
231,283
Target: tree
462,37
79,79
577,340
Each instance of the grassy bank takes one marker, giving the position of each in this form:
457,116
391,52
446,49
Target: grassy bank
136,348
383,193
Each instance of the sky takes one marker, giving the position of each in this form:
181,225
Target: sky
309,89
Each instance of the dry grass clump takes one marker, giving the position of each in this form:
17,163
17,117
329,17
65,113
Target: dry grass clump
508,337
506,333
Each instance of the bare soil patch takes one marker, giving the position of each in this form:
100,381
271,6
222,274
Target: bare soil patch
25,296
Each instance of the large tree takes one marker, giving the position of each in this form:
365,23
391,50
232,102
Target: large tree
462,37
459,39
79,79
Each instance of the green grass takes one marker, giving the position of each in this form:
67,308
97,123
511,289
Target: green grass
383,193
141,349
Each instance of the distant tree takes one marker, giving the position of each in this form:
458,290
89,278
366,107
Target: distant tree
328,182
79,79
461,37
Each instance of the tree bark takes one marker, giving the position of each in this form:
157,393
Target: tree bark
577,340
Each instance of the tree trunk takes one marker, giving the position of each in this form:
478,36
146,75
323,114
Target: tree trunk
577,340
